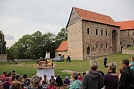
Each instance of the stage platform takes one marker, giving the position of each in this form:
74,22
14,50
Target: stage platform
45,71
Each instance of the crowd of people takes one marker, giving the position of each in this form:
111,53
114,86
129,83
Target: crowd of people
92,79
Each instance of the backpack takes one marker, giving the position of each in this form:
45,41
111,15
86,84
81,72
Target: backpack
131,77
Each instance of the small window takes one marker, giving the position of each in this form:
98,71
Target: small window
87,30
96,46
88,50
96,31
101,32
106,46
101,45
106,33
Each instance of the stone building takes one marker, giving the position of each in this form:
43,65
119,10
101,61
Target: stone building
126,33
62,49
91,34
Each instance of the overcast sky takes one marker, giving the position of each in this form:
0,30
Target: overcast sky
21,17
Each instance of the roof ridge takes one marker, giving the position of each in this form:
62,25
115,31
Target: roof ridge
91,11
125,21
93,16
126,25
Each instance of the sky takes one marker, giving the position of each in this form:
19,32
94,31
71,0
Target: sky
21,17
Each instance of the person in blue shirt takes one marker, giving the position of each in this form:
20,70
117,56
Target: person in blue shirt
76,84
131,65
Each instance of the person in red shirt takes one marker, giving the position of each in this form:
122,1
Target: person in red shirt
3,76
51,85
79,77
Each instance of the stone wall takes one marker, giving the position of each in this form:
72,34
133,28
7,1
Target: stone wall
101,43
126,51
25,60
65,53
126,37
3,57
75,42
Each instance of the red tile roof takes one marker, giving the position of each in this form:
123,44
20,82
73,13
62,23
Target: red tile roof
96,17
63,46
126,25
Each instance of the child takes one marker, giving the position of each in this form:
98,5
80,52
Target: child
44,84
79,77
51,85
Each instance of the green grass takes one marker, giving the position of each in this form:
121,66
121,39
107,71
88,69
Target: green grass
75,65
130,48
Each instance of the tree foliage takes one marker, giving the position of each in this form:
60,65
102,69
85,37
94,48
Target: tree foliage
2,43
61,36
35,45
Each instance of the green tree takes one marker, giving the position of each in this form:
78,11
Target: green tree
49,43
61,36
2,43
35,45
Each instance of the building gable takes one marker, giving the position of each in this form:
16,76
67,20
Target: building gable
74,17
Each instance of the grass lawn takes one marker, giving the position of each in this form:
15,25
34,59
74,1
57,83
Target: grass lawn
130,48
75,65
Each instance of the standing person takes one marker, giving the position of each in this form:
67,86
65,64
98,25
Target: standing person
124,82
131,65
68,58
76,84
47,57
105,61
59,81
111,79
93,79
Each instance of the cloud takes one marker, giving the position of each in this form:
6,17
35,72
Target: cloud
9,37
9,40
20,17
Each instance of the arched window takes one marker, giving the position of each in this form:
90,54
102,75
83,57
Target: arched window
101,32
106,33
88,50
